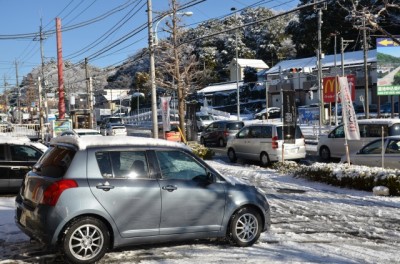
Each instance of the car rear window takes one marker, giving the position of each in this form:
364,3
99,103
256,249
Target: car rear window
288,136
234,126
55,162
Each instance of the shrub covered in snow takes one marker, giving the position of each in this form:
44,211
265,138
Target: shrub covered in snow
201,151
344,175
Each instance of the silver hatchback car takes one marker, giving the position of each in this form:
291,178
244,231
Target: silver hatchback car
86,196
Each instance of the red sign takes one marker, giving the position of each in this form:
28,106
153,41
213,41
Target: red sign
329,88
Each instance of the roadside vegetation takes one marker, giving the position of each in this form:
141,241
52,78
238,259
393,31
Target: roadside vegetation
344,175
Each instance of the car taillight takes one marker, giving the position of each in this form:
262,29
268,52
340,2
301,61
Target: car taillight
226,133
53,192
275,142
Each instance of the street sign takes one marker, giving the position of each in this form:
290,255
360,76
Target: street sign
388,61
329,88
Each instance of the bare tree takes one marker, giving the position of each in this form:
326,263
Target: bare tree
375,14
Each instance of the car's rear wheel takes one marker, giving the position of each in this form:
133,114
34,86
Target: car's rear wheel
221,142
86,240
232,155
264,159
245,227
325,153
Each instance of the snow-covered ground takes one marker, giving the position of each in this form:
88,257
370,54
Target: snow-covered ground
311,223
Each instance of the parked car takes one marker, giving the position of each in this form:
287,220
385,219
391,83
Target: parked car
87,196
218,132
81,132
371,154
332,145
17,157
264,143
113,129
203,120
270,112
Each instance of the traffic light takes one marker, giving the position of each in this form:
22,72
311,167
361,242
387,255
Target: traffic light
295,70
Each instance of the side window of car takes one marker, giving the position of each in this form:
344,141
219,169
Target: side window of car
244,133
24,153
339,132
2,152
177,165
255,132
123,164
393,147
266,132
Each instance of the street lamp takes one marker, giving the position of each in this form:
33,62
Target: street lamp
188,13
138,95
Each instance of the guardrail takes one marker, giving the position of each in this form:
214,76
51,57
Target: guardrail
20,130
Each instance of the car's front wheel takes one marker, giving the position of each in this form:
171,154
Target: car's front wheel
245,227
86,240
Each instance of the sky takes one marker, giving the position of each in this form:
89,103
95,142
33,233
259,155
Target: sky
95,29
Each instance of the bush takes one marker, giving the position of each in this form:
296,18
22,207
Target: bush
343,175
201,151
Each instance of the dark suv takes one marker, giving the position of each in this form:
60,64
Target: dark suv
17,157
88,195
220,131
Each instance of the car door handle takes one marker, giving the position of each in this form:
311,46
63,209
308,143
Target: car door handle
105,186
15,168
170,188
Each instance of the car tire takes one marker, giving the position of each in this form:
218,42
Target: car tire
264,159
221,142
202,141
325,153
88,248
232,155
245,227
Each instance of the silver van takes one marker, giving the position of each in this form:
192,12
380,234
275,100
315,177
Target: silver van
264,141
332,144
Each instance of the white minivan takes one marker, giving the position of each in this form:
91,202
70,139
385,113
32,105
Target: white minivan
332,144
264,141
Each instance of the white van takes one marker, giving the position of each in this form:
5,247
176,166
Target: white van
332,144
263,142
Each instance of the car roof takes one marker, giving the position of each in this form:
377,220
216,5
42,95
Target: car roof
77,130
120,141
388,121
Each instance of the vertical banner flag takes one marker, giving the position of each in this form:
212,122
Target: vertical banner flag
350,124
165,109
289,117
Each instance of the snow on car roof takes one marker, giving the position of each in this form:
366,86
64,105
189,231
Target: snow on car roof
94,141
13,140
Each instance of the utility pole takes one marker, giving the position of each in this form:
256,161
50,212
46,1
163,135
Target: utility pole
89,90
365,48
152,70
41,38
5,95
19,92
237,67
40,109
319,55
